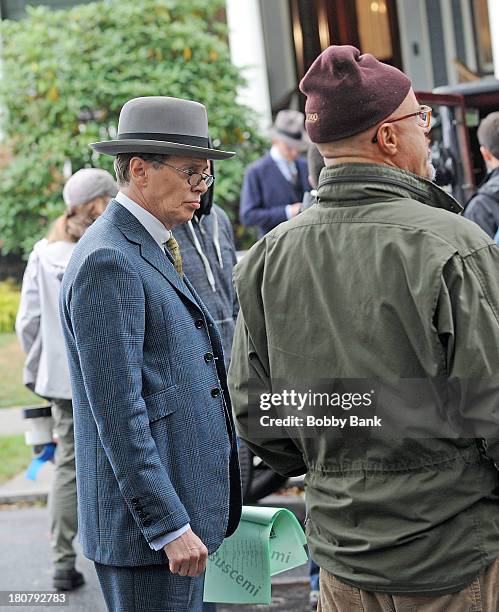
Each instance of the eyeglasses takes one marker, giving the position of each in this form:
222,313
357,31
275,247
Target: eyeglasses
195,178
423,117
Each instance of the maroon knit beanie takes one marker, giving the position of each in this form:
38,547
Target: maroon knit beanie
348,93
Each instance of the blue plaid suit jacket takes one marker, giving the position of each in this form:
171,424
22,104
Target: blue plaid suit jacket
154,438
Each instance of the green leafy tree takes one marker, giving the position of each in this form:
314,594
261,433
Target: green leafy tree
66,75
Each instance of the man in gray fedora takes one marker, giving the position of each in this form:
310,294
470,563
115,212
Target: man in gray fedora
156,457
275,184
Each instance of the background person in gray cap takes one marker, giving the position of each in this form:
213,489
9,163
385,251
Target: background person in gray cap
483,208
275,184
157,466
383,281
46,372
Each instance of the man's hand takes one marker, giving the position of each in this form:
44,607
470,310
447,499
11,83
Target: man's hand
187,555
295,209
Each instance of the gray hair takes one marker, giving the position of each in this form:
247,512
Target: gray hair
488,133
122,164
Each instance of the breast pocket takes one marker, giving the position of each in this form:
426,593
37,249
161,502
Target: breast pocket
162,403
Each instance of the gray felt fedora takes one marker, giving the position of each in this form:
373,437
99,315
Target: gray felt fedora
159,124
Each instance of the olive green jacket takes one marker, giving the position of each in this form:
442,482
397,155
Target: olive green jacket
379,279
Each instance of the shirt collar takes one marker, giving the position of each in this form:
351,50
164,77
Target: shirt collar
152,224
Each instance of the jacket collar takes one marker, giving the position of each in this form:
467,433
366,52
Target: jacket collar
136,233
356,183
492,177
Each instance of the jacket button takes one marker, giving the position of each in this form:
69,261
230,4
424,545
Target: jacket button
135,501
199,323
208,357
215,392
147,523
141,513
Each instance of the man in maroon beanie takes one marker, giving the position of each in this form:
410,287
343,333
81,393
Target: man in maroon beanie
381,280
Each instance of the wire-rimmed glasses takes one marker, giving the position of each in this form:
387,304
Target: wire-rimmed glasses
423,117
194,177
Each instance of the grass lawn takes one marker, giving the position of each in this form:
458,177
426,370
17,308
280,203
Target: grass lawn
15,456
12,390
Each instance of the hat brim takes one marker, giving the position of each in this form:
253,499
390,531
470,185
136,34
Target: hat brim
301,145
115,147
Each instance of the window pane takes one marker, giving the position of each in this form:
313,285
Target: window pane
374,28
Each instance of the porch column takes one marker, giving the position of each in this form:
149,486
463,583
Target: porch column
494,32
247,52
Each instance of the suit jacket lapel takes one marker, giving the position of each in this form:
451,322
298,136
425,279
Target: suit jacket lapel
303,174
136,233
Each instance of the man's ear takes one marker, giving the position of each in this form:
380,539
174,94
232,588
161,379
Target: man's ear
388,139
138,171
486,154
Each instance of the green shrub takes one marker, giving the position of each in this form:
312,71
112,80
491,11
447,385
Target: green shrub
9,303
15,456
66,75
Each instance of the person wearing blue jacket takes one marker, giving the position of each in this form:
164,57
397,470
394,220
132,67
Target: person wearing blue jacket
275,184
152,415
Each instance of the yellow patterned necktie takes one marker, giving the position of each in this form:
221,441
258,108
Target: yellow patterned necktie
172,246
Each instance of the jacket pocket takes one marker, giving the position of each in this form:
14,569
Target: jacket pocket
161,403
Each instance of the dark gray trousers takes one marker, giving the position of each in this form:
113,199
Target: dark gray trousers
63,514
149,588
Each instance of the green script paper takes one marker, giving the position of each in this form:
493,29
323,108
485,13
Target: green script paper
268,541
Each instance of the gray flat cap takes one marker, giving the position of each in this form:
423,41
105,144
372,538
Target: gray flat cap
87,184
159,124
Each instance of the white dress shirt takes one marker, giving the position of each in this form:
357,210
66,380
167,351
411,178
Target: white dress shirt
161,235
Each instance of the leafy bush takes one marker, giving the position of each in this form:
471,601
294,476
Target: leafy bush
14,456
9,303
66,75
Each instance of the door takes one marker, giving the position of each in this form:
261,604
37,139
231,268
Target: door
369,25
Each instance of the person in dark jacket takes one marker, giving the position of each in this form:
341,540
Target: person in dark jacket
483,208
208,253
275,184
